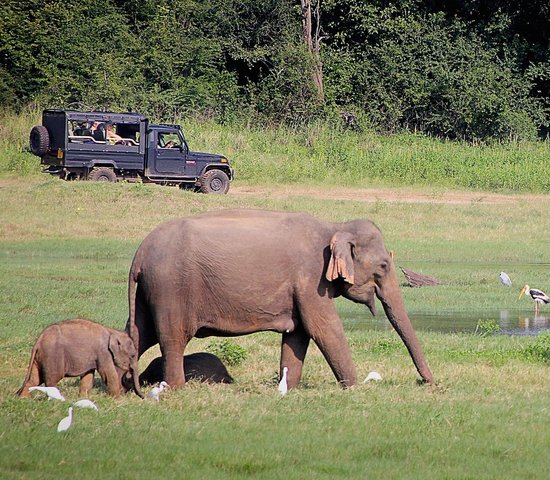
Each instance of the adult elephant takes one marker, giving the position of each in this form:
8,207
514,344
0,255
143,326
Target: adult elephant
236,272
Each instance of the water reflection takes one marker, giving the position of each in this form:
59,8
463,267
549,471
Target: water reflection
511,323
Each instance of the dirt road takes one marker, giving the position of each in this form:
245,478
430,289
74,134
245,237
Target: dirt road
401,195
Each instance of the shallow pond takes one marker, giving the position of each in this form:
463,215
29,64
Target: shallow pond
511,323
466,284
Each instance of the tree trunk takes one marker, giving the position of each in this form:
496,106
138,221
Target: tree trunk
313,42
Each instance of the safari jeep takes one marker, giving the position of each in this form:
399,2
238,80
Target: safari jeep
105,146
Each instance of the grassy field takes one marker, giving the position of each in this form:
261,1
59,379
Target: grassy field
65,249
324,154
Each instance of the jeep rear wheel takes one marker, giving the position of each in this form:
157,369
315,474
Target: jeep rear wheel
39,140
214,181
102,174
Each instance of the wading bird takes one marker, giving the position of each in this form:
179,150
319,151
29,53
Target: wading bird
85,403
154,394
283,387
65,423
505,279
373,376
538,296
52,392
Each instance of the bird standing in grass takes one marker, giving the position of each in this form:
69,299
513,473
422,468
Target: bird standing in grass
375,376
283,387
538,296
52,392
66,422
85,403
505,279
154,394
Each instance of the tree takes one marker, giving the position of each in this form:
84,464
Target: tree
313,42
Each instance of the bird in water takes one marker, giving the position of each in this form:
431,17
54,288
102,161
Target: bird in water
52,392
85,403
538,296
283,386
373,376
505,279
154,394
66,422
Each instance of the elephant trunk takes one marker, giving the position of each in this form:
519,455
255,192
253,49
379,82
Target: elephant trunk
394,307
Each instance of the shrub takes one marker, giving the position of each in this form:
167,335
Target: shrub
484,328
540,350
228,351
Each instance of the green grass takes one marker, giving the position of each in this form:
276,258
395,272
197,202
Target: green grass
326,154
65,250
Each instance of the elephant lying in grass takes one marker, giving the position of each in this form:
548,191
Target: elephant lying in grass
201,366
236,272
77,348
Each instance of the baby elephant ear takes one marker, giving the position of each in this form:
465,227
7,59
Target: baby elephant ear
341,261
118,351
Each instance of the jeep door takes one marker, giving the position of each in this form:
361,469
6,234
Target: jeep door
170,152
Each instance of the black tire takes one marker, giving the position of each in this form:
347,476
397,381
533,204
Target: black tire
39,140
102,174
214,181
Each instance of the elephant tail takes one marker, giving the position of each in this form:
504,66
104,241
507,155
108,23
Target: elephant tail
23,389
133,280
131,328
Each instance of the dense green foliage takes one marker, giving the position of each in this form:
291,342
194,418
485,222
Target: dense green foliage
470,70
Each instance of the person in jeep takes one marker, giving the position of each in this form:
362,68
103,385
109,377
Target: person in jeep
111,135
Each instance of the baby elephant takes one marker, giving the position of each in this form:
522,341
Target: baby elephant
78,347
201,366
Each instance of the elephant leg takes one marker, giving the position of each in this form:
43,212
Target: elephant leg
52,378
144,324
293,351
34,380
172,355
53,368
86,383
334,346
322,323
324,326
108,374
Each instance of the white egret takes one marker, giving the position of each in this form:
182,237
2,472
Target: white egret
66,422
505,279
538,296
52,392
154,394
85,403
375,376
283,386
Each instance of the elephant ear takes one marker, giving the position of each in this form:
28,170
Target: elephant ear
120,354
341,258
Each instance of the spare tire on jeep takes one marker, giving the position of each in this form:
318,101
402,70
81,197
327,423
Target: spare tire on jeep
39,140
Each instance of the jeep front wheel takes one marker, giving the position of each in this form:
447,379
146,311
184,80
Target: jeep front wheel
214,181
102,174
